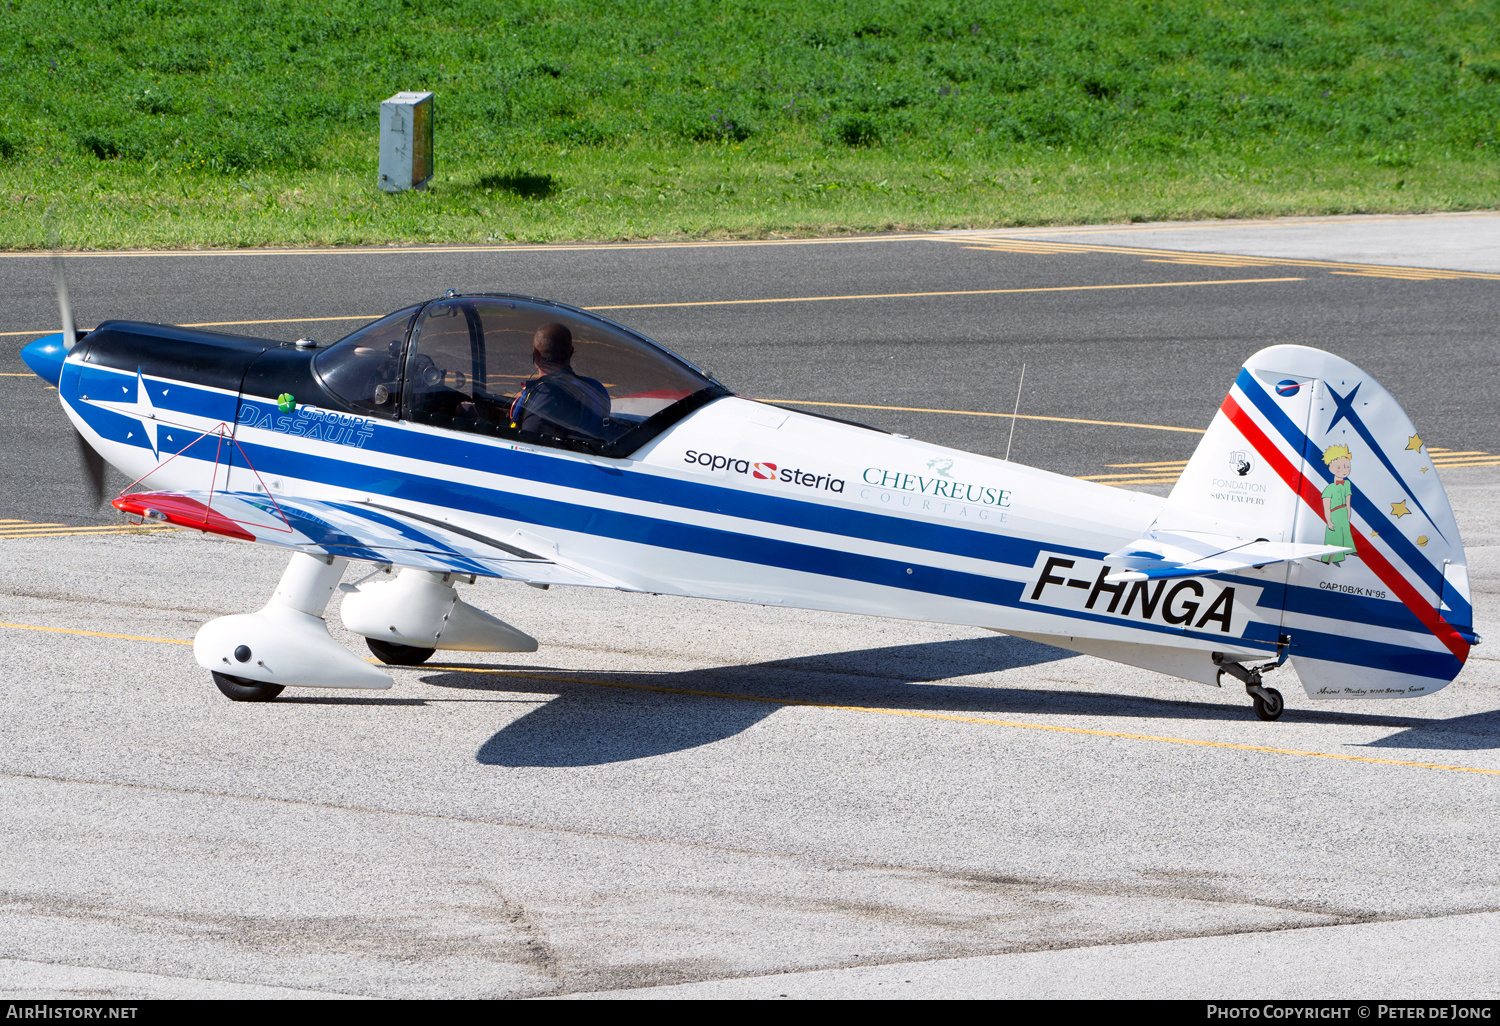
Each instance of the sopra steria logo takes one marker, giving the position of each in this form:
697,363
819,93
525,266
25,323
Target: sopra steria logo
765,471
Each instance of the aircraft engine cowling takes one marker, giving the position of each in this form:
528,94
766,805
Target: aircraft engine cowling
422,609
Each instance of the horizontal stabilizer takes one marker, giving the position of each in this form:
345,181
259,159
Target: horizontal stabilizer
1164,554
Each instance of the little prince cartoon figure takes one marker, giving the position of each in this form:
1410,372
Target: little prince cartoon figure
1336,502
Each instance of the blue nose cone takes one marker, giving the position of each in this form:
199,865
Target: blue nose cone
45,358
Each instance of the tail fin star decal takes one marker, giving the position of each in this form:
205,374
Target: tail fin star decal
1344,410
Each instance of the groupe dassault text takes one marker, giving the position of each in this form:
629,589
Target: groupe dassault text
1428,1012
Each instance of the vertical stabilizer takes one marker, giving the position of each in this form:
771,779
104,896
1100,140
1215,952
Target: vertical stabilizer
1308,448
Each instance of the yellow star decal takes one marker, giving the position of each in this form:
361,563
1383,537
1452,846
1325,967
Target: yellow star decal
1399,510
1424,470
1374,534
1414,443
1422,540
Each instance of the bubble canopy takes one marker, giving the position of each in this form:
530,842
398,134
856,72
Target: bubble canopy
518,368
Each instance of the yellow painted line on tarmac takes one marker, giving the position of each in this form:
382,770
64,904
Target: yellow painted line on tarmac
12,528
953,292
1168,471
27,529
1211,261
985,413
751,302
17,374
282,320
1210,226
88,533
26,525
1404,275
1033,246
92,634
23,526
955,718
221,324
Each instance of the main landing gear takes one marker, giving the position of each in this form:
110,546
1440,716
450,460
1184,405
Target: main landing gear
1268,702
254,656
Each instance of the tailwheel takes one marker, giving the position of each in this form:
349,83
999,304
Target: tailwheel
393,654
242,689
1268,703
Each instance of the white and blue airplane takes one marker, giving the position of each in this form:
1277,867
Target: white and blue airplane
511,437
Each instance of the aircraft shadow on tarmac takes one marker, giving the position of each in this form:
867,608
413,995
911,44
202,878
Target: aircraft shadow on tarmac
586,725
1474,733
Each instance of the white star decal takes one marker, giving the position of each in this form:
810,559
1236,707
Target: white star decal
140,407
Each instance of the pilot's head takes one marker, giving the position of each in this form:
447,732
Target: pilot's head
552,347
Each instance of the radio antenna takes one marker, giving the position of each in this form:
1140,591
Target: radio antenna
1015,413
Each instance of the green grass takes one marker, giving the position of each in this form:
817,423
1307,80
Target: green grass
212,122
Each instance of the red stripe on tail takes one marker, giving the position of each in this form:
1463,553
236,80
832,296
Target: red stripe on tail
1272,455
1373,557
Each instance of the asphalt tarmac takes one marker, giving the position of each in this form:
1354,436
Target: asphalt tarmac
724,800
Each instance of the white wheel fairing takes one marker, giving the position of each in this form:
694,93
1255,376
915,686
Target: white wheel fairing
285,646
287,642
422,610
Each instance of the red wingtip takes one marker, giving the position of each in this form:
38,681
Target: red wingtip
181,511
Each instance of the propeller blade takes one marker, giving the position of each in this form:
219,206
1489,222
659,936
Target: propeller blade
69,329
93,469
69,326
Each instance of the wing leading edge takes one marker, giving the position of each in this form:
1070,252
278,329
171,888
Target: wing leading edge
363,531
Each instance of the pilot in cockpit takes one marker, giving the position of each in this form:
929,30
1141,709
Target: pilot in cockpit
559,401
385,370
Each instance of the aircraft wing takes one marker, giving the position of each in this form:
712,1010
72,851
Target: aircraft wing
1198,554
364,531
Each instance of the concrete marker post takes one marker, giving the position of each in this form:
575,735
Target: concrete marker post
406,142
